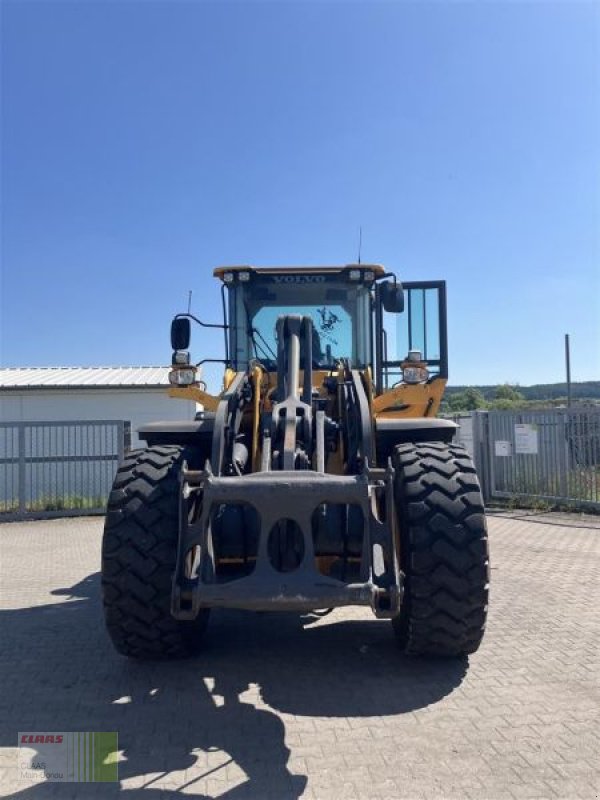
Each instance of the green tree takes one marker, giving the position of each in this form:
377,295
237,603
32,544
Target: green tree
503,405
469,400
507,392
506,397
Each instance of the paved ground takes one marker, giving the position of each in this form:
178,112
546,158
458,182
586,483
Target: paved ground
279,707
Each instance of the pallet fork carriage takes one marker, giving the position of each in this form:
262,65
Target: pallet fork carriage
274,495
319,477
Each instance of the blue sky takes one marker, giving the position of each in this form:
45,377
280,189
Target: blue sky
143,143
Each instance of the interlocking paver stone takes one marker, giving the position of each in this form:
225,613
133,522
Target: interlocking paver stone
281,706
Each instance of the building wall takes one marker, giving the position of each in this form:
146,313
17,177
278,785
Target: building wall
139,406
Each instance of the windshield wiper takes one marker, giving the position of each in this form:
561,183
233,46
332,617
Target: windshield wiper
267,352
267,347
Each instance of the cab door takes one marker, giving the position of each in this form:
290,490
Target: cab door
422,327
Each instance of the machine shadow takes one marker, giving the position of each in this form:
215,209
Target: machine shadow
59,672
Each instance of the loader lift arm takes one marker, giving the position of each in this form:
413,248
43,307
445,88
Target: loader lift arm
286,494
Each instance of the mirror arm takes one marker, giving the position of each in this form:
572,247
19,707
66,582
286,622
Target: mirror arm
224,327
210,361
199,321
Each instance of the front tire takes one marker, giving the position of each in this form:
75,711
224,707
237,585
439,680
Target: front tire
444,550
138,558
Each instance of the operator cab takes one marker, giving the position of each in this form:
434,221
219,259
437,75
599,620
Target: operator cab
361,315
338,300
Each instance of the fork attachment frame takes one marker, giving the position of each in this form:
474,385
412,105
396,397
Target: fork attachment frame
283,496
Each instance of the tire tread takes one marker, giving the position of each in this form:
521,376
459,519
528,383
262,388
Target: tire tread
138,558
444,550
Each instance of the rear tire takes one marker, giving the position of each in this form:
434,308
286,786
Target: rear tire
444,550
139,551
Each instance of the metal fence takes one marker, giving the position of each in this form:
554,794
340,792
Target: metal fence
536,455
51,469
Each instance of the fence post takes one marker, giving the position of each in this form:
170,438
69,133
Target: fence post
127,438
22,466
124,439
482,451
563,454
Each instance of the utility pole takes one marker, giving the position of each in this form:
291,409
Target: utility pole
568,367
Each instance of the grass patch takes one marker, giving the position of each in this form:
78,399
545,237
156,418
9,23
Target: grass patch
73,502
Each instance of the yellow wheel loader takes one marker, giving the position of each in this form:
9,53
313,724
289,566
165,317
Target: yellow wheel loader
319,477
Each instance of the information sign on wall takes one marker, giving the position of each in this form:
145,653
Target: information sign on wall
503,449
526,438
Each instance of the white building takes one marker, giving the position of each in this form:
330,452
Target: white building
45,394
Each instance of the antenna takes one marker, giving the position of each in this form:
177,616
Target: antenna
359,242
189,301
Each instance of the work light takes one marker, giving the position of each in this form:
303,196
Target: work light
182,376
415,374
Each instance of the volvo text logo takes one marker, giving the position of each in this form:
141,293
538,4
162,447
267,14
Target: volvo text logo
298,278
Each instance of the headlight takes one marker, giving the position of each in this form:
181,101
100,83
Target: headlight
182,377
181,357
415,374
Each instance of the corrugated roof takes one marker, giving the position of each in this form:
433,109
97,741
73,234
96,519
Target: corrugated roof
38,377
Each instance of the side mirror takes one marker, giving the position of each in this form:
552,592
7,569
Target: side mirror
392,297
180,333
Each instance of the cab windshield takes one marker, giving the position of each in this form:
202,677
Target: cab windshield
339,311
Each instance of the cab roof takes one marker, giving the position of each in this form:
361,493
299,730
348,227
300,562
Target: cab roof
376,268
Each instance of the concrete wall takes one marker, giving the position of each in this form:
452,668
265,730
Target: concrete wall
139,406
